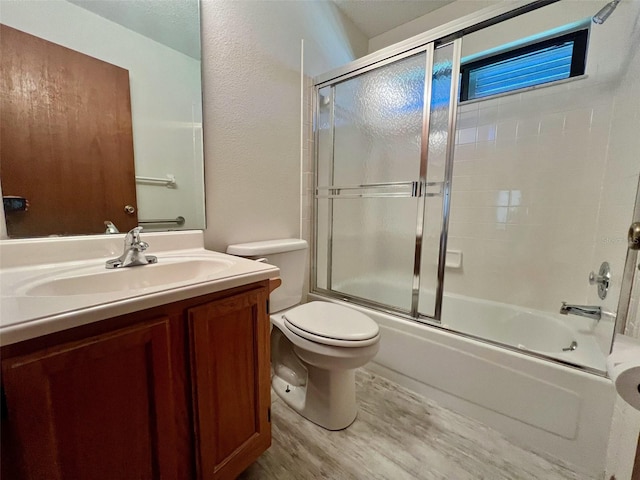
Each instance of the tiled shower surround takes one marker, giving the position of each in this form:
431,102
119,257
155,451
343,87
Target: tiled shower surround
527,175
544,182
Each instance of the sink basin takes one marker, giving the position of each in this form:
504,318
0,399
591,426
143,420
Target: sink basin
96,279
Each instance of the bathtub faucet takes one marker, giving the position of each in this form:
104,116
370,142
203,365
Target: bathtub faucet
594,312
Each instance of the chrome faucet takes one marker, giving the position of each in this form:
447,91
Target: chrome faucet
111,228
133,252
594,312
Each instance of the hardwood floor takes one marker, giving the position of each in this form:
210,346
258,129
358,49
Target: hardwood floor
397,435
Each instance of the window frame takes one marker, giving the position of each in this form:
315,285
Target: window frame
578,60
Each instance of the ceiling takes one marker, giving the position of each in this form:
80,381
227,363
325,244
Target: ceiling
374,17
174,23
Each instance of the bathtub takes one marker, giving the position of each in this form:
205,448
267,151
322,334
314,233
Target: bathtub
552,408
568,339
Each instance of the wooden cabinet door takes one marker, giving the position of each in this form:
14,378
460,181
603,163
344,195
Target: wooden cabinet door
101,408
231,378
67,138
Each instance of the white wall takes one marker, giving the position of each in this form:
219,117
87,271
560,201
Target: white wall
252,104
165,98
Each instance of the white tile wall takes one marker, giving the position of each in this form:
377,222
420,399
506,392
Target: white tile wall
544,181
527,171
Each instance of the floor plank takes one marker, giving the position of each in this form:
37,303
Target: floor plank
397,435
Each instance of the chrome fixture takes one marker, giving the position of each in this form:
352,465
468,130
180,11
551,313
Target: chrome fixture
571,347
634,236
602,280
178,221
169,181
111,228
132,255
594,312
604,12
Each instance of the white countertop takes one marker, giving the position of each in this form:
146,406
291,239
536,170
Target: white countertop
25,314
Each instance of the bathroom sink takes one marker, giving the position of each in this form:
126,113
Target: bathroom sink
97,279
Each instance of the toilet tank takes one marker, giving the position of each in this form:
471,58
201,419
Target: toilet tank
290,256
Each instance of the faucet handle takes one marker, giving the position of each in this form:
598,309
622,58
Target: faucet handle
132,237
135,233
602,280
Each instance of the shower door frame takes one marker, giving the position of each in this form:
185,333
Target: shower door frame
413,189
449,33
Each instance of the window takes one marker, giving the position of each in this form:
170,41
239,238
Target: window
542,62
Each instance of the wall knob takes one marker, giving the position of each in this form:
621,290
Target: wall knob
634,236
602,279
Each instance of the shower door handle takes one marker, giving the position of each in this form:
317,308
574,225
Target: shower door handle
421,189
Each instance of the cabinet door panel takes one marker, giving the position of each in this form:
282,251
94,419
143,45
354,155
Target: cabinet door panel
230,367
101,408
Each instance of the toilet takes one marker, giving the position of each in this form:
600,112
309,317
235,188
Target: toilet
315,347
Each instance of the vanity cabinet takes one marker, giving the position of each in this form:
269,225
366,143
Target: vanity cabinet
178,391
231,375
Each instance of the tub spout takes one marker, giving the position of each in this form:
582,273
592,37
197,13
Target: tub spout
594,312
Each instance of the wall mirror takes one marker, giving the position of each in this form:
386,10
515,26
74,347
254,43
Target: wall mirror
101,116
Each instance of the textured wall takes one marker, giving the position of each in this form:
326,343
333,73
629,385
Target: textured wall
252,103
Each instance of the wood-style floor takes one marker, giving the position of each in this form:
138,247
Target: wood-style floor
397,435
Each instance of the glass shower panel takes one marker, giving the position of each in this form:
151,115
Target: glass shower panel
366,195
378,124
435,208
373,247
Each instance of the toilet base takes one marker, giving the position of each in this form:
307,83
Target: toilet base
328,397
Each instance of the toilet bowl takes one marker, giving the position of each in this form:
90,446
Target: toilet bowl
315,347
314,373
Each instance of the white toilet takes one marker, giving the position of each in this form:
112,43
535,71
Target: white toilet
315,347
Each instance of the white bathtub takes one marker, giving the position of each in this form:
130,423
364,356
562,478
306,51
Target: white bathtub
553,409
526,329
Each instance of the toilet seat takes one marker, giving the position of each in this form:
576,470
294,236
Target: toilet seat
331,324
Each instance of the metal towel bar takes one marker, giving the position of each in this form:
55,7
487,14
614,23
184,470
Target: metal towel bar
169,181
178,220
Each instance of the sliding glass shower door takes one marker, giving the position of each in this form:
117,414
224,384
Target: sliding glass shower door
507,140
380,202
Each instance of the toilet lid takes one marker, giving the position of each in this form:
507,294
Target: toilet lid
329,320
